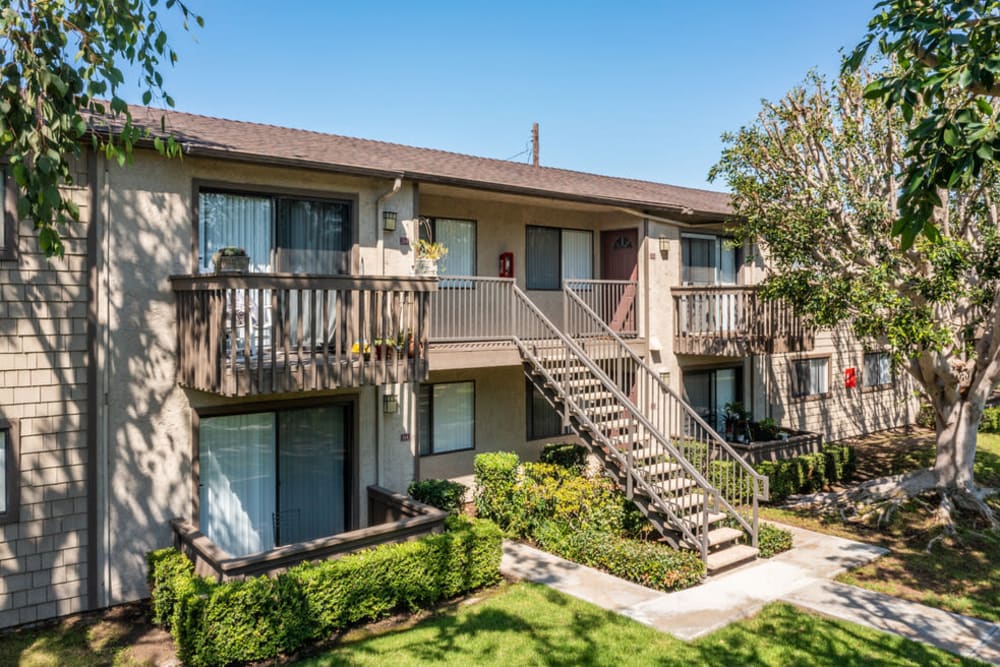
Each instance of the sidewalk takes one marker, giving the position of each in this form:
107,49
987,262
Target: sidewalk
800,577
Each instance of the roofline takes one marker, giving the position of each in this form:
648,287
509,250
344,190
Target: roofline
257,158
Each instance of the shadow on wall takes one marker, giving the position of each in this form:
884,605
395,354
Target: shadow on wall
843,412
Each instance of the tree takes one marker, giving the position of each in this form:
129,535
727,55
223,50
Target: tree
946,83
60,86
814,184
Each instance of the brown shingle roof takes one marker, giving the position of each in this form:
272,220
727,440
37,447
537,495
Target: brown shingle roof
204,135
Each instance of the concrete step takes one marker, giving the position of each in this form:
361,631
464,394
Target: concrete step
672,486
718,537
732,556
694,520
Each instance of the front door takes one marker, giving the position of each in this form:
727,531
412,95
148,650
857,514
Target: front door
620,261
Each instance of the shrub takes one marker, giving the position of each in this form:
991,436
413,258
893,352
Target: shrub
772,540
546,491
443,494
809,472
991,420
925,415
258,618
567,455
648,563
496,475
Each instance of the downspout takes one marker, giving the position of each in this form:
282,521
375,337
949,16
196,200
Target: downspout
106,384
396,186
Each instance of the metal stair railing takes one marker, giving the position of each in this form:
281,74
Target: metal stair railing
740,486
536,331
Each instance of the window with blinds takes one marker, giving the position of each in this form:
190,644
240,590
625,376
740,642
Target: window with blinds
877,369
553,255
811,377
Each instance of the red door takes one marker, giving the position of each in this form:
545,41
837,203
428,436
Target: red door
620,261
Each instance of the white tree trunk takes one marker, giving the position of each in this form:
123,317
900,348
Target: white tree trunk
956,441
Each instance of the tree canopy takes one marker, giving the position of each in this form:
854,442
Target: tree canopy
945,85
814,184
61,85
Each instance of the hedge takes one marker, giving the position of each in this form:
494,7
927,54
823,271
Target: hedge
443,494
809,472
257,619
567,455
496,475
651,564
991,420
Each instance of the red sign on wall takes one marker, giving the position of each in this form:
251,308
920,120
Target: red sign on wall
850,378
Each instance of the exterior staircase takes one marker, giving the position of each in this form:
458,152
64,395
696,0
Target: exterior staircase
696,491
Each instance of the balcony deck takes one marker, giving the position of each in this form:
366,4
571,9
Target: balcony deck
735,322
251,334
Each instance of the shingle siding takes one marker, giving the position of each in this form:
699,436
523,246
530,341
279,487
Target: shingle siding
43,364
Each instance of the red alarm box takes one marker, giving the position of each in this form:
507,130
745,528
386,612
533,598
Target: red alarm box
850,378
506,265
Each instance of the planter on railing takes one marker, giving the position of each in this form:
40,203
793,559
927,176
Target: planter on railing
735,321
242,335
792,444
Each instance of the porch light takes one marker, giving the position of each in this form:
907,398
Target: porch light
665,377
390,404
389,221
664,246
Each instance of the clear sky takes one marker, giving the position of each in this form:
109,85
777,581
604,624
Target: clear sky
633,89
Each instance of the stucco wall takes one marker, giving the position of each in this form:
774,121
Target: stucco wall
43,367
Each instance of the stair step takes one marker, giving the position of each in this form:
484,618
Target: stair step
594,411
726,558
718,536
674,485
582,396
713,517
581,382
660,469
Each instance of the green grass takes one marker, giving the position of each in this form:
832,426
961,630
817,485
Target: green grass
960,574
73,643
527,624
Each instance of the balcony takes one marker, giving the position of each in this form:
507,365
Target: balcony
260,333
735,322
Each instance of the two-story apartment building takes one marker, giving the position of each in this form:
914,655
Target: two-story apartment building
275,413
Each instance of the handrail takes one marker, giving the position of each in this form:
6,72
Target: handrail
636,414
761,481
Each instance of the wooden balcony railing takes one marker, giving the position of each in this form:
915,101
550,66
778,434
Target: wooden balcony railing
249,334
735,321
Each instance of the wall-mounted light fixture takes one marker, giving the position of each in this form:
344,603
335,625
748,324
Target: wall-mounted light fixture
664,246
389,221
665,377
390,404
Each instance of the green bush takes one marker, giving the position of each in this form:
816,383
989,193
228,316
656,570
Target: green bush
651,564
567,455
258,618
496,476
809,472
443,494
772,540
991,420
550,492
925,415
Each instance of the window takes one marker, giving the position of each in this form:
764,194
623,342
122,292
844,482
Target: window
8,472
708,260
8,226
284,234
553,255
447,417
543,421
273,478
878,369
811,376
459,237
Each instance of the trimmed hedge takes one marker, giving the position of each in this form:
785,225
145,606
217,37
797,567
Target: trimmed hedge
991,420
496,475
809,472
567,455
443,494
258,618
648,563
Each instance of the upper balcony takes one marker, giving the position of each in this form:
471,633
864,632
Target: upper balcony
266,333
734,321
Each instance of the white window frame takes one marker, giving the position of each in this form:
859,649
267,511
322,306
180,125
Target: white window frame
884,378
427,446
561,259
798,391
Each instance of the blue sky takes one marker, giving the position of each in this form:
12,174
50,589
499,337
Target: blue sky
639,89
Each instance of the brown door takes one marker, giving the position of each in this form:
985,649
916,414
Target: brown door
620,261
619,254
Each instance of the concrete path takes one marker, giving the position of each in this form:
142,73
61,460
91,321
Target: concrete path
800,576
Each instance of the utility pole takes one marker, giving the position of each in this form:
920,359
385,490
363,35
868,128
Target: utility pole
534,144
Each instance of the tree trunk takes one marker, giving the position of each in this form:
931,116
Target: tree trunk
957,429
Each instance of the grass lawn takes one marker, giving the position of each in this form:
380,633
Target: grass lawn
526,624
960,574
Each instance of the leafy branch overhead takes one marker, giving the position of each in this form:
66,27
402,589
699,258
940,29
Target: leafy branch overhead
946,86
61,85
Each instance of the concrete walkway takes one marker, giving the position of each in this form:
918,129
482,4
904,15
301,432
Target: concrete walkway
800,577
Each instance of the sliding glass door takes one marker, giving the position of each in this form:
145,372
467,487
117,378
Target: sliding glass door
273,478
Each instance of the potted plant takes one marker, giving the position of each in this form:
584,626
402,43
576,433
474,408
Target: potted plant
231,259
766,430
428,253
384,348
410,345
364,350
737,419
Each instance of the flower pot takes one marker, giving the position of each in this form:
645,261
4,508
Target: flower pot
425,267
232,264
411,348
